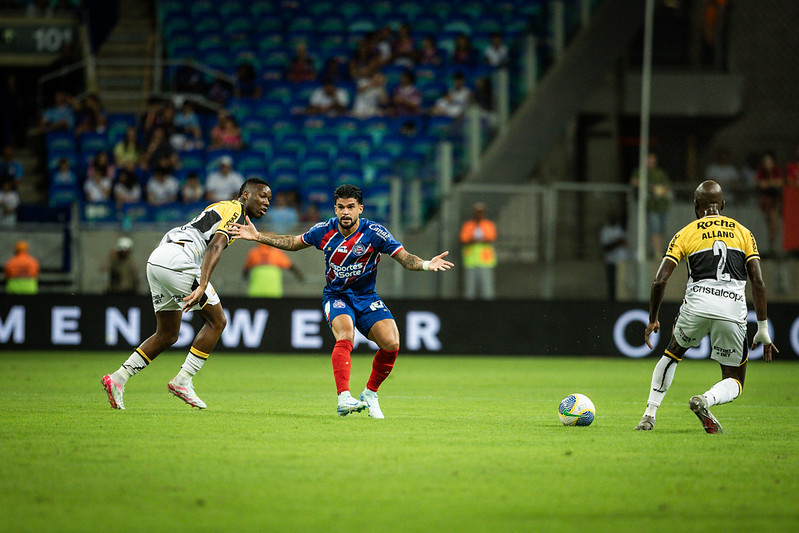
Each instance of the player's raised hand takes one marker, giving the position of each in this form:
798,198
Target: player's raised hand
438,263
244,231
652,327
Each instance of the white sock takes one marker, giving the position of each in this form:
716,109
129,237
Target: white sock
193,363
662,377
135,364
724,391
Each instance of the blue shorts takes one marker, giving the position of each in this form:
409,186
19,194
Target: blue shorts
364,310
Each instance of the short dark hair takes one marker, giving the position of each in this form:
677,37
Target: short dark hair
251,183
348,191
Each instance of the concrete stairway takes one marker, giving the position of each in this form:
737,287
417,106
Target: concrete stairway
122,83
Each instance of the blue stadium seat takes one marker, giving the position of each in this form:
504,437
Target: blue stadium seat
329,23
327,143
193,160
394,144
284,180
252,126
270,109
318,195
61,140
361,143
92,141
427,23
61,195
315,162
377,127
262,143
346,160
377,202
439,126
350,177
363,22
296,142
458,24
283,160
212,158
117,123
250,161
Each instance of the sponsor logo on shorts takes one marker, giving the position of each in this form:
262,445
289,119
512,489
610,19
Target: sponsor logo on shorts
359,249
685,338
338,304
723,293
724,352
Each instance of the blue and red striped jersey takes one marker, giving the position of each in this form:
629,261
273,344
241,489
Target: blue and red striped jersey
351,262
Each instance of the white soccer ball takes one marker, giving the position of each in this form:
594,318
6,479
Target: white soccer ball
576,410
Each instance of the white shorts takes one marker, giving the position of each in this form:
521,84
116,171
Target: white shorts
173,275
727,338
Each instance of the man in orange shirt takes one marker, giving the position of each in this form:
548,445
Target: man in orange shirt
22,271
479,258
265,266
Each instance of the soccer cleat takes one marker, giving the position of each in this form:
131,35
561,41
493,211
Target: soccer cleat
114,391
186,393
370,397
347,404
698,405
647,423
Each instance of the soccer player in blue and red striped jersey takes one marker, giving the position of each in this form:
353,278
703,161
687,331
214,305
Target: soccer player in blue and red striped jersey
352,246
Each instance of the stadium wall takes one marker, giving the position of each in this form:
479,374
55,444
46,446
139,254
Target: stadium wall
90,322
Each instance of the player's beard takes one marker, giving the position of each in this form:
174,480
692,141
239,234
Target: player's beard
346,223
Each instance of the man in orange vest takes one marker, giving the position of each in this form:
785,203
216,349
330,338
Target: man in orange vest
479,258
22,271
265,266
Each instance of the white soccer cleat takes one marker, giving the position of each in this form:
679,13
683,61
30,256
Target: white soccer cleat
186,393
370,397
647,423
698,405
347,404
114,391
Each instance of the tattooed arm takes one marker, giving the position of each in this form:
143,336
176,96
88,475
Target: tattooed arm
414,262
250,232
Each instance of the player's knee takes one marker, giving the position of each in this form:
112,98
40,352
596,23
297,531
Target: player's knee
219,323
390,345
167,338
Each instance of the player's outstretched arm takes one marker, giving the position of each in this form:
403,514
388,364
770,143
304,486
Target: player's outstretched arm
249,232
656,297
414,262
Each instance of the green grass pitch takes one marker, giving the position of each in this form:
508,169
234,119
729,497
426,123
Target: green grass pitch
468,444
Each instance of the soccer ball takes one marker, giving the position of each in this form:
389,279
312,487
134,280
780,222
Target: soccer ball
576,410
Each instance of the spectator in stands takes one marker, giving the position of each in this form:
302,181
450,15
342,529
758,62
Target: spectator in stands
282,215
722,171
713,31
97,187
456,99
100,165
403,49
226,134
9,203
328,99
22,271
162,187
60,116
223,184
464,54
123,272
496,53
63,174
219,91
10,168
126,151
301,68
382,44
429,54
90,116
770,182
658,202
265,266
192,190
127,189
477,236
188,132
406,99
160,152
245,81
371,96
151,118
365,59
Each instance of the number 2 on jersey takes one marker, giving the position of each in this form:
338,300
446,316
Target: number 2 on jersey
720,249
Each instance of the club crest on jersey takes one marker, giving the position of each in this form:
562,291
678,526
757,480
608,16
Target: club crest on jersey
338,304
358,250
